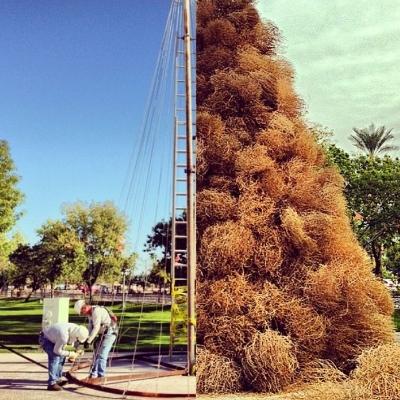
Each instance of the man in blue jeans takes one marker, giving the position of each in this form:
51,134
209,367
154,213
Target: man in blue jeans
53,339
102,333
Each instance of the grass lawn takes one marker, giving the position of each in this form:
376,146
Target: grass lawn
20,324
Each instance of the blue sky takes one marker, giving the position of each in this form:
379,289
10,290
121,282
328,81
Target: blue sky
74,79
75,76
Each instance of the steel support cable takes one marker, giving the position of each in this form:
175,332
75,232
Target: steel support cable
172,158
146,148
163,293
163,78
142,130
147,140
140,223
141,213
162,171
147,120
141,311
148,144
172,101
146,151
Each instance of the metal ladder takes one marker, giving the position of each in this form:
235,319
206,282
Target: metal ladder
179,237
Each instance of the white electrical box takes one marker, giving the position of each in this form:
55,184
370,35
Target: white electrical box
55,310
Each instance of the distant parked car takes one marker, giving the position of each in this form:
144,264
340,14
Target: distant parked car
60,286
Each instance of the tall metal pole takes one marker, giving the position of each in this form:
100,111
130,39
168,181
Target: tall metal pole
123,290
191,229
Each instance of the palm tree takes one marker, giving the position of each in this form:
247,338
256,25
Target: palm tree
373,140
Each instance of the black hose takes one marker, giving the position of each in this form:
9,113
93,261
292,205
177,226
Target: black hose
21,355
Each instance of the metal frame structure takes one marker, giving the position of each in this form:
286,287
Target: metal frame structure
191,213
97,384
190,251
176,261
171,370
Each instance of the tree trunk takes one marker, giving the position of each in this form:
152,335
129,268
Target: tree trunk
28,297
90,293
376,253
52,290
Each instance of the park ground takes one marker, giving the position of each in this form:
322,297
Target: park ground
24,380
20,324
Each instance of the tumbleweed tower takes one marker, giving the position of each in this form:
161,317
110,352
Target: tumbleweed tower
282,281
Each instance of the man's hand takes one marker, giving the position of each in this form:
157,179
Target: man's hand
72,356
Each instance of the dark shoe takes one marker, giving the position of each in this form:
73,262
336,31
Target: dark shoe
61,383
54,388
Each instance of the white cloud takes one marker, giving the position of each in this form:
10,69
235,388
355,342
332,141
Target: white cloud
346,56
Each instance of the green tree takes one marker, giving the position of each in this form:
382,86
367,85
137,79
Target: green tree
10,198
373,194
158,244
393,257
9,246
129,264
10,195
29,267
373,140
62,254
342,160
100,228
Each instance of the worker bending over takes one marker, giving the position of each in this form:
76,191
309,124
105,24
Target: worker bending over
53,339
103,330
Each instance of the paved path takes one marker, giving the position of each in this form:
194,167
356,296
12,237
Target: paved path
23,380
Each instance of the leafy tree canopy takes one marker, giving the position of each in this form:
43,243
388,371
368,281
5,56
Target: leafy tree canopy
100,228
158,244
29,267
10,198
8,247
62,253
10,195
372,191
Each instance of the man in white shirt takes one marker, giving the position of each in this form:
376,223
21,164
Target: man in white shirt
53,339
102,325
